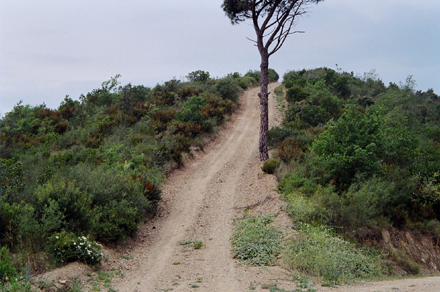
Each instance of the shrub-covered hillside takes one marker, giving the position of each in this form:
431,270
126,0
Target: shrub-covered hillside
359,153
93,167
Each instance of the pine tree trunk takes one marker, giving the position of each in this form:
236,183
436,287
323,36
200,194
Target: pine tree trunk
264,106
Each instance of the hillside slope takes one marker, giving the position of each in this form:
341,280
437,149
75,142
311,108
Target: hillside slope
187,245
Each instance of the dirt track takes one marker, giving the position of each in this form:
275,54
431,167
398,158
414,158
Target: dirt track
200,202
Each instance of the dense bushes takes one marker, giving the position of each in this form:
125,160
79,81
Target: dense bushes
93,167
364,154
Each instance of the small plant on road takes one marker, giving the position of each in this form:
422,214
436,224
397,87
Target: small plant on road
197,244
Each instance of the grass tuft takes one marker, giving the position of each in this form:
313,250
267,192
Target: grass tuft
256,241
322,254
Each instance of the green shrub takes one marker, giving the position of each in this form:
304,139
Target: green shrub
279,91
22,226
7,270
190,112
216,108
291,150
164,98
296,94
86,200
116,220
10,279
11,179
197,244
353,145
61,204
273,75
304,209
198,76
363,203
254,74
228,88
269,166
16,285
246,81
256,241
276,135
94,140
307,114
67,247
291,182
319,253
171,146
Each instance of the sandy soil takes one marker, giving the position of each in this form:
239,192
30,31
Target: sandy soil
200,202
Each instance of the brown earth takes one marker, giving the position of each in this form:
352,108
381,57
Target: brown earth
200,202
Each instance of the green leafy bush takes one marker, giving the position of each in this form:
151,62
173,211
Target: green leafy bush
309,209
7,270
276,135
293,181
190,111
273,75
296,94
67,247
17,285
256,241
197,244
10,279
310,114
198,76
254,74
228,88
352,145
269,166
322,254
116,220
246,81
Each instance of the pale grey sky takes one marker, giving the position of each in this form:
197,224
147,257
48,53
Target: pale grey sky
53,48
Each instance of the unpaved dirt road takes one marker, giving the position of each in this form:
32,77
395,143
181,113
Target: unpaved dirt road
200,202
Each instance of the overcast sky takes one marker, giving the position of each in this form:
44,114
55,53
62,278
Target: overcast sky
53,48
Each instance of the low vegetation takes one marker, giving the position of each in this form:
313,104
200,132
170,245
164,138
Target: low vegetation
319,252
256,241
269,166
